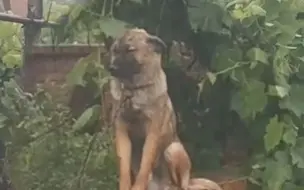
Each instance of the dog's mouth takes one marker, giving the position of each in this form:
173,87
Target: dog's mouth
116,72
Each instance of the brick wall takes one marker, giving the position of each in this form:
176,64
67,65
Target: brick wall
48,66
19,7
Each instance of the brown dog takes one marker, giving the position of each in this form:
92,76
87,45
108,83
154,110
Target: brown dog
142,114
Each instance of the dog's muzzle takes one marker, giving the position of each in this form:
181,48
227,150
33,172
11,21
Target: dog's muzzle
112,68
116,70
123,70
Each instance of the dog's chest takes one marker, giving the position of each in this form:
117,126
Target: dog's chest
137,101
132,101
137,114
136,107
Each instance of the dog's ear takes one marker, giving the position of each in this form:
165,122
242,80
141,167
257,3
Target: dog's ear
159,44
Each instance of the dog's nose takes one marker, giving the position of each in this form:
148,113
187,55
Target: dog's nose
112,67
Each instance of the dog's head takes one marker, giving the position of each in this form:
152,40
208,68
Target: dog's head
134,52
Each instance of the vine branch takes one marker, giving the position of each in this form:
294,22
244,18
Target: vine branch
237,65
85,161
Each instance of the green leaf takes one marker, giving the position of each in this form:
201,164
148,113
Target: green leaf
237,103
57,10
297,153
256,54
290,135
282,157
5,133
87,117
300,73
256,10
12,59
239,14
292,186
113,27
10,30
279,91
281,72
234,2
238,75
295,101
205,15
288,26
253,64
254,96
250,100
273,10
211,77
301,58
75,76
274,132
278,171
75,11
3,118
227,58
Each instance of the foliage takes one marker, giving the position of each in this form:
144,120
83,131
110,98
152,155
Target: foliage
44,148
10,59
277,39
10,49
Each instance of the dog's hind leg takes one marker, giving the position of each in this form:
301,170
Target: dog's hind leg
179,164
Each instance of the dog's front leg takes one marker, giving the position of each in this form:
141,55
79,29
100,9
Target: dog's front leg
123,151
150,151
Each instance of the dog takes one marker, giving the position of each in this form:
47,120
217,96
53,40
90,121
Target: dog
143,116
